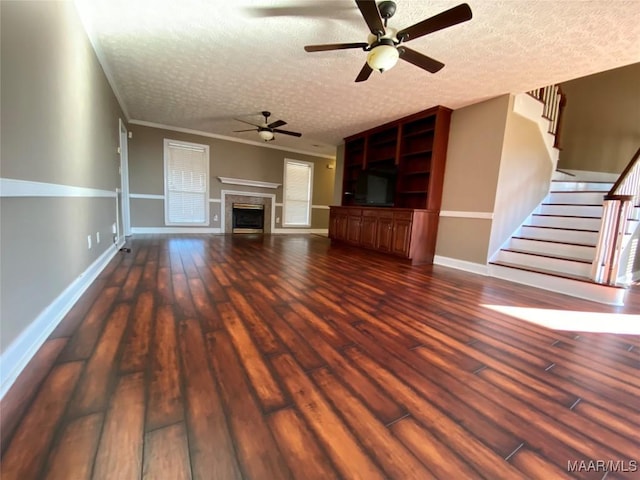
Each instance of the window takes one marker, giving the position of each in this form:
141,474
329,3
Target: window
298,178
186,185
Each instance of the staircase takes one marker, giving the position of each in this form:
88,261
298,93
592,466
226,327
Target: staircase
555,247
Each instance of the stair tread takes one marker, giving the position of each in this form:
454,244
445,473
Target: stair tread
546,255
589,217
553,273
591,245
582,181
562,228
574,204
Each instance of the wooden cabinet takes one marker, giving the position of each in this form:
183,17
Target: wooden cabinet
402,232
414,149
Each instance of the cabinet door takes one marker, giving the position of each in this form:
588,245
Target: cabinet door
401,236
353,229
340,231
384,239
368,231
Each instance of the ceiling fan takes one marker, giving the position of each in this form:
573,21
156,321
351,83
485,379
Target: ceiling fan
266,131
385,45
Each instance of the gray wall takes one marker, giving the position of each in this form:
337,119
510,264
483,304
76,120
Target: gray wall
227,159
59,126
601,126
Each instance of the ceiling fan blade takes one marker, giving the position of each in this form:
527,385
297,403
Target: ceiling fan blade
249,130
446,19
276,124
286,132
419,60
364,73
248,123
334,46
371,15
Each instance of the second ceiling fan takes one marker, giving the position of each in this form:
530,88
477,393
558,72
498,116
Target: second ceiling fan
266,131
385,45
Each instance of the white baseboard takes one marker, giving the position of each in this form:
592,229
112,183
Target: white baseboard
22,349
152,230
461,265
320,231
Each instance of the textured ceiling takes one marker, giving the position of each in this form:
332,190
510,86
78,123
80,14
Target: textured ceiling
200,64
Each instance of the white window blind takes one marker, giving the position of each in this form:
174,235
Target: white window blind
298,178
186,183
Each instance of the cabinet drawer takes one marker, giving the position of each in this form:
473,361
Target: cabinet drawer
403,216
377,212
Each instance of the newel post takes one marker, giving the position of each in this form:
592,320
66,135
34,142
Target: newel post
616,210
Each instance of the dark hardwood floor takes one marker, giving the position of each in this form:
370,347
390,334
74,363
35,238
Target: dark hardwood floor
275,357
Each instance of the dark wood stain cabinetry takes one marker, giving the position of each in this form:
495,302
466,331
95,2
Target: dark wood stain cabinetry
416,148
404,232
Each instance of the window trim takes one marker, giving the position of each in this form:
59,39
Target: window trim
284,194
207,208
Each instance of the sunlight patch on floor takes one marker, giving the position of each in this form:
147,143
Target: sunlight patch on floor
574,321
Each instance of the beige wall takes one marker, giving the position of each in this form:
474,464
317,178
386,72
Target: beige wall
474,153
59,126
227,159
601,127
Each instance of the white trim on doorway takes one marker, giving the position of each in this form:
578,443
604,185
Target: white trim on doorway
124,178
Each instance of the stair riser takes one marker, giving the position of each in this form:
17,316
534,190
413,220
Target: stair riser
580,198
561,249
545,263
589,291
577,186
573,210
566,222
557,235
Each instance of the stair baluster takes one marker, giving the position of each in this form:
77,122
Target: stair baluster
617,208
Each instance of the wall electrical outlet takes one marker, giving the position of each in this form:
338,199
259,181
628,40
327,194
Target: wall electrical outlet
89,242
97,237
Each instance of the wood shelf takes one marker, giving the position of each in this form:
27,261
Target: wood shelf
418,133
416,153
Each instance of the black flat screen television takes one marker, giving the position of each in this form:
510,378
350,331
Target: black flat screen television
376,188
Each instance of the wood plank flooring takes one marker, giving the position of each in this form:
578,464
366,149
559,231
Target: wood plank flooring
283,357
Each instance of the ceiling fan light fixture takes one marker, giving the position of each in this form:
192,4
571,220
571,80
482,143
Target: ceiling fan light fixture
266,135
383,57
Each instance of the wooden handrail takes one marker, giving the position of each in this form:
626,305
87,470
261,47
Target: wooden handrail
625,173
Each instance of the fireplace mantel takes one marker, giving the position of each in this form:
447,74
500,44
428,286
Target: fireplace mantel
248,183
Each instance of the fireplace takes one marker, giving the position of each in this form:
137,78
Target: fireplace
247,218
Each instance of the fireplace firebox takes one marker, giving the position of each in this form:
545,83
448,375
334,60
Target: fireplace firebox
247,218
